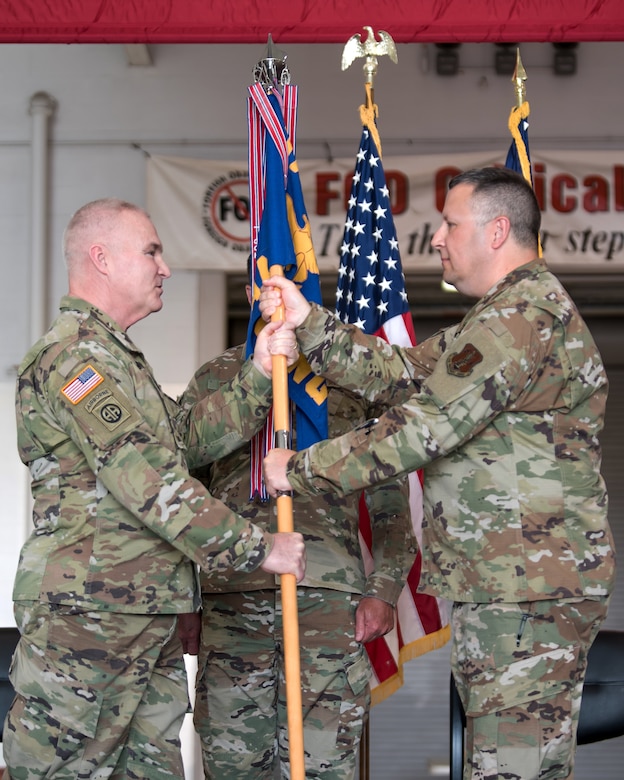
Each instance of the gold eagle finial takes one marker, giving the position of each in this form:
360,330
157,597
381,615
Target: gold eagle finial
371,48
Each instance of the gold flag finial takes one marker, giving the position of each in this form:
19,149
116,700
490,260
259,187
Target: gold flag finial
370,49
518,78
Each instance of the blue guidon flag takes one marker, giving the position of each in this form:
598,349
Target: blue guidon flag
281,235
518,156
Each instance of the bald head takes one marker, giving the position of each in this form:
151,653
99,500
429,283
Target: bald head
114,260
94,223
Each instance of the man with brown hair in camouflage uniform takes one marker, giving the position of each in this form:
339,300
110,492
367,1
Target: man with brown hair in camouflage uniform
119,524
503,411
240,708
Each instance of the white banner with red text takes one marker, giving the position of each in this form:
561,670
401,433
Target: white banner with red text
200,207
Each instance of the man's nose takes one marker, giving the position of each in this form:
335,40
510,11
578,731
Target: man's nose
437,239
163,268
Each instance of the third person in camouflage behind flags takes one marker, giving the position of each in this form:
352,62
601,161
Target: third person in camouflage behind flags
240,703
503,411
119,524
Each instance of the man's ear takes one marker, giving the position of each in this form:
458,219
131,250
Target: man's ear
501,231
98,256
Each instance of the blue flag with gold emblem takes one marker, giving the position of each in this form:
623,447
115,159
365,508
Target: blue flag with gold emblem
283,237
518,156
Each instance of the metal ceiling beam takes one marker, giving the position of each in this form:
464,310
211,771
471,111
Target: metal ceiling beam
138,54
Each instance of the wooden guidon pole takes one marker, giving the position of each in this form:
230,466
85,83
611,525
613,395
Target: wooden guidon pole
288,582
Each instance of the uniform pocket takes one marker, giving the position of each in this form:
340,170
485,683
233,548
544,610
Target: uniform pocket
506,655
358,673
56,692
536,677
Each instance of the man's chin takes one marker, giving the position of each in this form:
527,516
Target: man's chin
447,278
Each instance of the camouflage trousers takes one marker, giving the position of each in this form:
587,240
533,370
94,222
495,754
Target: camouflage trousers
519,670
99,695
240,708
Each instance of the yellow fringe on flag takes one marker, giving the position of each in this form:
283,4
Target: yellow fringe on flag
421,646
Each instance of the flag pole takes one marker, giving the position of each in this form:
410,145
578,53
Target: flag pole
270,73
518,78
370,49
288,583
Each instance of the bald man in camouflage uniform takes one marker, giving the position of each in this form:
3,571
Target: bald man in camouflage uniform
118,521
503,411
240,707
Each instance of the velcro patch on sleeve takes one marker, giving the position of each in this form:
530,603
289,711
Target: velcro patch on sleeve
82,384
463,363
107,409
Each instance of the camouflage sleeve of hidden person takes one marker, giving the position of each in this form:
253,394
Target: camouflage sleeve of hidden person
220,421
393,542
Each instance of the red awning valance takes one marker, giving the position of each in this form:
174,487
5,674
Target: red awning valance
308,21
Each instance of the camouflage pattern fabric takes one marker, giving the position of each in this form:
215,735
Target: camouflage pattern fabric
519,670
117,517
109,707
240,708
118,526
329,523
503,411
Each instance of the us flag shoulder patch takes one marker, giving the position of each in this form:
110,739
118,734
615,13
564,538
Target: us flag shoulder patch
82,384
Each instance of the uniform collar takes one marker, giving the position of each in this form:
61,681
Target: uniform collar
84,309
533,269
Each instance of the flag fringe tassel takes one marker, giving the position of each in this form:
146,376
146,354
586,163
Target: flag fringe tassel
418,647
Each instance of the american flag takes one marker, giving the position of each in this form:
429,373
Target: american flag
82,384
371,295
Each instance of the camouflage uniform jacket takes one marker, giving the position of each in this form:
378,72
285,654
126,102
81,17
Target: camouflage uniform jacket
117,518
328,522
503,411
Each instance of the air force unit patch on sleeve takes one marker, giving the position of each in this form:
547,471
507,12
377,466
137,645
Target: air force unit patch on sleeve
82,384
462,363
